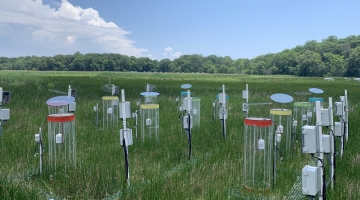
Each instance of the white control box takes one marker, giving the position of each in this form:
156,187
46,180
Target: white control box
338,108
325,119
127,110
223,114
309,114
222,98
245,107
127,134
338,129
187,104
72,107
4,114
309,139
310,180
294,123
245,94
186,122
326,143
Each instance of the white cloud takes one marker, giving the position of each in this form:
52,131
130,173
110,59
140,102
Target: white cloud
150,57
168,53
169,49
67,29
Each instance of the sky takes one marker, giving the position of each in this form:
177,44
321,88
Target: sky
168,29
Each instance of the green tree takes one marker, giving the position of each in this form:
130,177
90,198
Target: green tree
353,63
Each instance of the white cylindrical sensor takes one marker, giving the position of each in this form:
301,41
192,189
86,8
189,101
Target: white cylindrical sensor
37,138
109,111
194,112
280,129
148,122
304,118
58,138
278,137
261,144
309,114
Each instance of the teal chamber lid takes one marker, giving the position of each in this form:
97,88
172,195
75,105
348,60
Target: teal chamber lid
217,96
314,99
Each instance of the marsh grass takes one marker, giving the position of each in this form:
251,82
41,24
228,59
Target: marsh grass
157,170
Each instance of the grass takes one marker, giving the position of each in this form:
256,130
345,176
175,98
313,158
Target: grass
158,170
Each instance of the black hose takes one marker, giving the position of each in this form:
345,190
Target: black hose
126,159
344,135
189,134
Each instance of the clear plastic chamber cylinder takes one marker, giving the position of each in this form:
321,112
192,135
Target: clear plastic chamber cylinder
149,120
62,142
110,111
258,147
312,100
282,119
195,112
301,113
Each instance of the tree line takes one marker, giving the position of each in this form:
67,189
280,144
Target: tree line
330,57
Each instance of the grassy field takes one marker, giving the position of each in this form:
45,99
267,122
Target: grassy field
158,170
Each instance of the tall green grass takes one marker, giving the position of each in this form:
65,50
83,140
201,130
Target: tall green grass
157,170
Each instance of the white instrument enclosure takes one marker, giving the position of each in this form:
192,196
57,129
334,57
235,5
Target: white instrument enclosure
309,140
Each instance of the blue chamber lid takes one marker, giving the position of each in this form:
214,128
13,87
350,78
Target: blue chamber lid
60,101
149,94
186,86
281,98
316,90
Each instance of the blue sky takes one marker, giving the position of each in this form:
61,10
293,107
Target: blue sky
169,29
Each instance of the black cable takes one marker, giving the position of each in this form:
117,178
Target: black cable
126,159
189,133
344,134
223,121
323,176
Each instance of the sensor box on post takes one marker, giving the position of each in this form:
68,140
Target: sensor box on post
338,129
325,119
309,139
245,94
223,114
127,110
127,134
338,108
310,180
187,104
222,98
186,122
245,107
326,143
72,107
4,114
